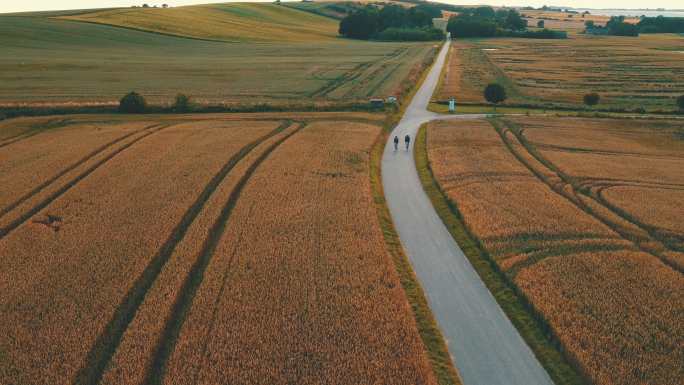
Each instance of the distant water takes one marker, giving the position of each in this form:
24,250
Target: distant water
632,12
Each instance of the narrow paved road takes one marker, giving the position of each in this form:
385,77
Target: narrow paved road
484,345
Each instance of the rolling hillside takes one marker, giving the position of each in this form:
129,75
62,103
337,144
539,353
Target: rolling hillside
234,22
50,59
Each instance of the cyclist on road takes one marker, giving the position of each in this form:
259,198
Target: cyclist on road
407,139
396,143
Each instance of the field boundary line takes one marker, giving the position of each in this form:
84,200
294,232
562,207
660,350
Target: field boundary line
195,277
52,197
530,323
73,166
432,338
34,131
108,341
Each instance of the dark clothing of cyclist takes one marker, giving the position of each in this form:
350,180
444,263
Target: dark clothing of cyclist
407,139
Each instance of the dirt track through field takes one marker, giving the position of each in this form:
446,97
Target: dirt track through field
23,217
106,344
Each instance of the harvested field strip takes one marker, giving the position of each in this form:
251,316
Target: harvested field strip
107,343
531,325
13,224
51,180
194,279
647,238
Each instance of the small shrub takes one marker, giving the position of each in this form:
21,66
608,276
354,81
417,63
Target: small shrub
183,103
540,24
495,93
592,99
680,103
133,103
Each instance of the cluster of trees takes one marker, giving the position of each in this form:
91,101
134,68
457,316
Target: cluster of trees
487,22
392,22
661,24
616,26
134,103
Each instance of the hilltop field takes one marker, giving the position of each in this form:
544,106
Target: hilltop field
234,54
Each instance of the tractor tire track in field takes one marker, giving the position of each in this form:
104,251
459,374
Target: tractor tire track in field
167,342
109,340
4,231
81,161
356,73
653,234
629,231
35,130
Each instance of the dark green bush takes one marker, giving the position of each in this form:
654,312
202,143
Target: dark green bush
495,93
680,103
183,103
133,103
592,99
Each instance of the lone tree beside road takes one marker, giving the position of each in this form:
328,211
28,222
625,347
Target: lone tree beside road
495,94
592,99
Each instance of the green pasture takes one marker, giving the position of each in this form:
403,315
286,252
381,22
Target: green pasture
53,60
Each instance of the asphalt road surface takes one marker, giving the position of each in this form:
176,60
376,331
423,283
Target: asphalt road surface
483,343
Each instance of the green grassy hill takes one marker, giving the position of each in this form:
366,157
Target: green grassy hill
233,22
48,60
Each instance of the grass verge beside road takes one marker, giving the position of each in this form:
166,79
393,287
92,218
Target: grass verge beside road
531,326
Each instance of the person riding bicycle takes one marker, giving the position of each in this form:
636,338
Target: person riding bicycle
396,143
407,139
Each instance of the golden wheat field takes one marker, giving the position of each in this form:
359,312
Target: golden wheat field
189,249
629,73
572,211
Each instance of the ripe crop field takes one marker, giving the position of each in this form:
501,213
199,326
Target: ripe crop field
645,72
573,211
176,249
54,61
